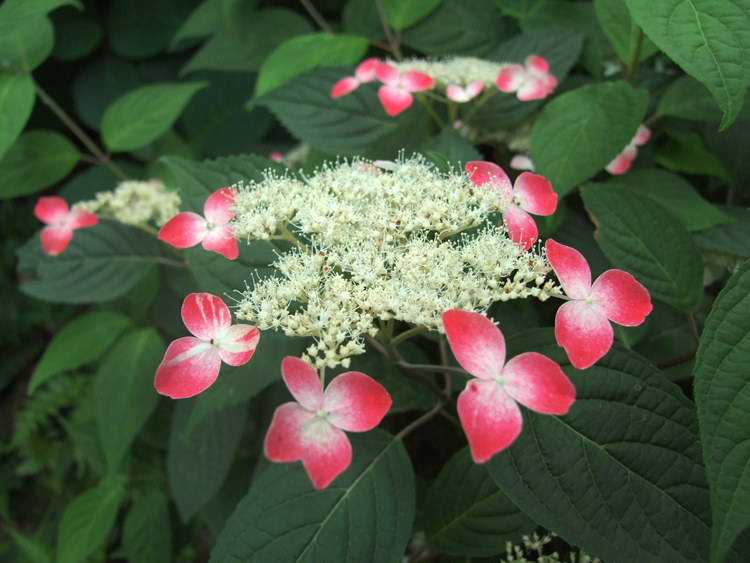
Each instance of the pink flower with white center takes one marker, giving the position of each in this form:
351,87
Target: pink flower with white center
488,406
192,364
365,72
582,324
61,222
459,94
622,161
533,82
188,229
395,95
521,162
312,428
531,193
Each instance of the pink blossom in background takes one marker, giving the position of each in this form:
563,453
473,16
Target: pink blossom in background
531,82
521,162
488,406
61,222
623,161
459,94
365,72
188,229
192,364
582,324
276,156
395,94
312,428
531,193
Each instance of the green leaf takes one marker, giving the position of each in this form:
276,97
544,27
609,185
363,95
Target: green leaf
466,514
79,342
515,8
405,13
124,391
622,31
102,262
307,52
147,532
345,126
366,514
638,235
458,27
732,146
143,115
457,150
33,549
77,33
687,154
87,184
675,195
722,382
621,475
197,465
38,159
17,98
86,522
582,131
689,99
709,40
412,132
732,240
668,336
206,19
16,13
139,29
252,36
28,45
360,17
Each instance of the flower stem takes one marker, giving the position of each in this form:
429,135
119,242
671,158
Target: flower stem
635,54
479,103
423,100
408,334
392,41
314,14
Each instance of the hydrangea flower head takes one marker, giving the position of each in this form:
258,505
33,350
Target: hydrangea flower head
624,160
192,364
188,229
488,406
532,82
365,72
530,194
312,428
395,94
459,94
582,324
61,222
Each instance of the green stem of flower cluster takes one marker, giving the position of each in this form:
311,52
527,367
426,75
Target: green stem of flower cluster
488,93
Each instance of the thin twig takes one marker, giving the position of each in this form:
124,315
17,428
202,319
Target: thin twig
676,361
392,41
479,103
320,20
694,329
635,57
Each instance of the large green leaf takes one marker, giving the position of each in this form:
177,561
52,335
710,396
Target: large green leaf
307,52
198,464
710,40
466,514
731,241
147,531
622,31
139,29
210,16
722,382
360,17
405,13
640,236
28,45
675,195
732,146
77,33
580,132
85,185
37,160
17,98
124,391
80,342
621,476
686,153
364,515
86,521
33,549
455,148
16,13
689,99
142,116
102,262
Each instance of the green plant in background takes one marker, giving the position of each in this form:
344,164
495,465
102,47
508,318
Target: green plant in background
317,192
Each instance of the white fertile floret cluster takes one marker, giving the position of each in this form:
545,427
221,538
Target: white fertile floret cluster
404,244
136,203
460,71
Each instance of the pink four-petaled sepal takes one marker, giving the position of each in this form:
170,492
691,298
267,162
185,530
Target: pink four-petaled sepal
395,94
461,95
61,222
624,160
582,324
530,82
488,407
188,229
312,428
365,72
192,364
530,194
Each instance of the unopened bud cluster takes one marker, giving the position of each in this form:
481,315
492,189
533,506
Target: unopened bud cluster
136,203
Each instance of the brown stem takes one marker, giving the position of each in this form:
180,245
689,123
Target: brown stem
320,20
392,41
676,361
694,329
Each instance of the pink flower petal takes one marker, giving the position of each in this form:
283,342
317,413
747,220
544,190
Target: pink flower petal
394,99
205,316
521,226
387,74
619,165
221,239
457,94
216,208
413,81
584,332
80,219
550,83
521,162
511,78
477,343
55,239
538,383
621,298
365,71
237,344
184,230
537,65
534,89
282,443
356,402
535,194
51,209
571,268
491,419
344,86
277,156
482,173
189,367
474,88
303,383
642,135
